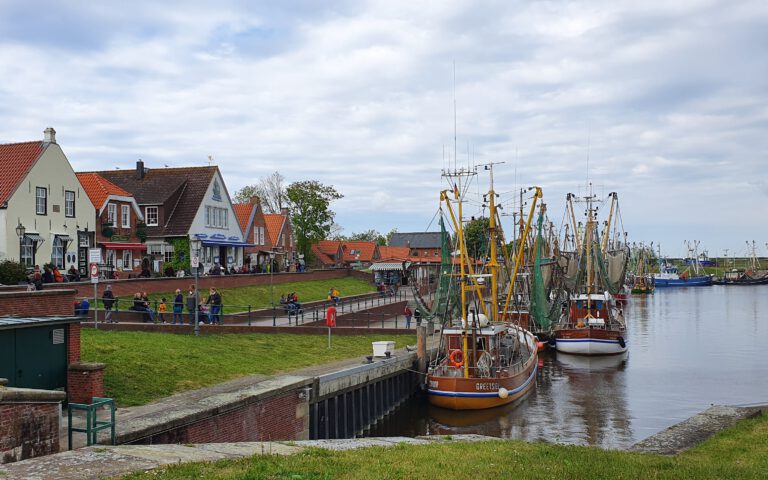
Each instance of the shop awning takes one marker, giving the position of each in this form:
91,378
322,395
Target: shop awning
208,242
35,237
63,238
123,246
383,266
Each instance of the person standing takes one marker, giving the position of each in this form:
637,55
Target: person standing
192,304
214,300
108,299
178,307
161,309
408,313
417,316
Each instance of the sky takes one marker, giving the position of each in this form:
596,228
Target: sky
664,102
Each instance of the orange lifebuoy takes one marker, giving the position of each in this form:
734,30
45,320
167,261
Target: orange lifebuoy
457,358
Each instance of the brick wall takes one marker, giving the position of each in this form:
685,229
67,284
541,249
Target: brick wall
28,430
122,288
85,381
73,343
282,417
36,304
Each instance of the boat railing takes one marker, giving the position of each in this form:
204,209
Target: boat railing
475,372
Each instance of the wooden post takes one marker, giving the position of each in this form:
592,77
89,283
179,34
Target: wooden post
421,347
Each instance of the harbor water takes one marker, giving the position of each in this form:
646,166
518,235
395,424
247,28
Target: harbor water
689,348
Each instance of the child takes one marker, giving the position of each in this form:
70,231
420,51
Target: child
161,309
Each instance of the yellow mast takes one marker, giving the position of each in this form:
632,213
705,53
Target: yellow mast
493,264
569,198
588,253
607,232
520,250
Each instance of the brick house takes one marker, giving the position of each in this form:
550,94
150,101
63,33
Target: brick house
281,240
359,254
251,218
182,204
423,253
123,229
44,212
327,254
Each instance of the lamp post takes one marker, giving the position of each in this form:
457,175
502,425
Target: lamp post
195,246
271,287
20,231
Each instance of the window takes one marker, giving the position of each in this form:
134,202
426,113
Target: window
151,215
125,220
69,203
216,217
111,257
112,213
41,200
27,252
127,259
57,252
168,255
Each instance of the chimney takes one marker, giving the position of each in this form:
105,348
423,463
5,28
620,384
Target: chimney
49,135
255,200
140,169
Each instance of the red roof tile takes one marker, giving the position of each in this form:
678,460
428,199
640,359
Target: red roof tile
243,212
366,251
394,253
321,256
99,188
328,247
274,223
16,159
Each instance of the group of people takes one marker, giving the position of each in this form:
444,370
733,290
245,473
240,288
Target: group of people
290,302
408,313
209,311
52,274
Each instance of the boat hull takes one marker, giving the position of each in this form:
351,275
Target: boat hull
590,341
459,393
743,281
689,282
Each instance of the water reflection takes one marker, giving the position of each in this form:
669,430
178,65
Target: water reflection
689,348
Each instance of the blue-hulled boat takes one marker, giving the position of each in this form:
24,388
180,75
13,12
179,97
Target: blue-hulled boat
669,277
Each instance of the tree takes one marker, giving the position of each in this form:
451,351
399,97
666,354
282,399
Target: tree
368,236
476,237
12,272
270,190
312,219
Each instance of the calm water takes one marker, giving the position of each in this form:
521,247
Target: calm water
689,348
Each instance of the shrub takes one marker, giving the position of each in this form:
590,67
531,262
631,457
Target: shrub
11,273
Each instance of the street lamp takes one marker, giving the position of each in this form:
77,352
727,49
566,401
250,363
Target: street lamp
20,231
195,247
271,287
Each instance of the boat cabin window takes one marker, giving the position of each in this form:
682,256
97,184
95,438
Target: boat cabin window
482,344
454,342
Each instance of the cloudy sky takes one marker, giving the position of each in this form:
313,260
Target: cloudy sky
666,101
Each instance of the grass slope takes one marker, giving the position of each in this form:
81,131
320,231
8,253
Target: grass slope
142,367
260,296
737,453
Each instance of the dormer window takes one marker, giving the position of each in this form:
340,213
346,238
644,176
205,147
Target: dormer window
150,213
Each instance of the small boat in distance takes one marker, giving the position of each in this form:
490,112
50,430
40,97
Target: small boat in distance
669,275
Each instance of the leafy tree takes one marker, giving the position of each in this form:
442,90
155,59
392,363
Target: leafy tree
270,190
312,219
389,235
368,236
476,237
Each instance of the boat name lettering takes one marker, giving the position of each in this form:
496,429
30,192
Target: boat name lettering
433,383
486,386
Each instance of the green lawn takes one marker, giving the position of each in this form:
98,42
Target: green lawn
260,296
737,453
142,366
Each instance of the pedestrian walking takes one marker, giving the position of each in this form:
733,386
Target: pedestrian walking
408,313
108,299
214,300
178,307
192,303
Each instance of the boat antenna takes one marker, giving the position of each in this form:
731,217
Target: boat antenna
454,116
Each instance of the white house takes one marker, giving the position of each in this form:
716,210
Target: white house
45,214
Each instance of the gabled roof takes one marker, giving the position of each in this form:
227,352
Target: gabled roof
415,240
367,251
99,188
321,256
159,185
16,160
328,247
393,253
274,223
245,213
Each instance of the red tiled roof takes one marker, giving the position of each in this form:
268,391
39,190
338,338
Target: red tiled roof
321,256
328,247
366,249
274,223
16,159
99,188
394,253
243,213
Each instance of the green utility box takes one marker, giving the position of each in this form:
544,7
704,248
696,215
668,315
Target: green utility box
33,351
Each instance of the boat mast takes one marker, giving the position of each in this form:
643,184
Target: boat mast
607,231
493,264
569,199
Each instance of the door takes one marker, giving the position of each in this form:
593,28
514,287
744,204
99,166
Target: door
8,356
41,357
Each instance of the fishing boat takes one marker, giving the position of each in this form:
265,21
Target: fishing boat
485,361
670,276
642,283
740,277
591,323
